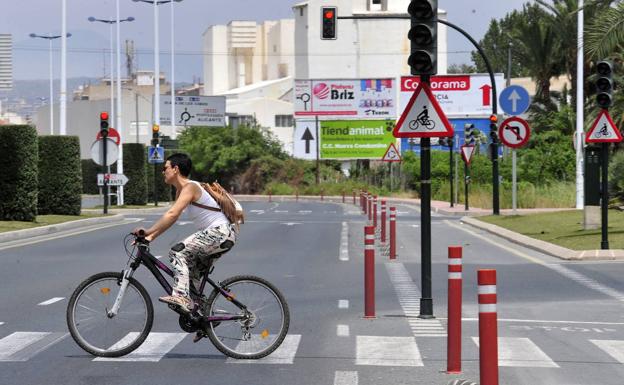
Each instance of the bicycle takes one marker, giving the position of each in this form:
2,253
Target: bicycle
110,314
427,123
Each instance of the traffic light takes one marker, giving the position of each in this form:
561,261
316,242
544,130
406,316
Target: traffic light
604,84
328,23
423,36
493,128
104,124
155,131
470,134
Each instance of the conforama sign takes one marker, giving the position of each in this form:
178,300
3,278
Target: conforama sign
458,95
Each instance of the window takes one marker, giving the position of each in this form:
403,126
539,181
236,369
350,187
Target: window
283,120
376,1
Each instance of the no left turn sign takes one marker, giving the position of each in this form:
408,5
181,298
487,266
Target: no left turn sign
514,132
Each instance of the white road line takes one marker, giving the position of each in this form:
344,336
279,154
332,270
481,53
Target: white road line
614,348
343,303
345,378
51,301
281,211
520,352
343,331
259,212
304,212
537,321
22,346
1,323
183,223
344,242
285,354
387,351
152,350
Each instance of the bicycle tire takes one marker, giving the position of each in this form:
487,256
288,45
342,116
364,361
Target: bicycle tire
430,125
211,332
109,352
413,124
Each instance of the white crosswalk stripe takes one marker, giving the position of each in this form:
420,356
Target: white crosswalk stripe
152,350
51,301
613,348
521,352
345,378
285,354
387,351
409,299
22,346
344,242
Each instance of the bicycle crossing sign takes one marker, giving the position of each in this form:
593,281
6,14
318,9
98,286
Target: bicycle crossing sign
603,130
392,154
423,117
466,152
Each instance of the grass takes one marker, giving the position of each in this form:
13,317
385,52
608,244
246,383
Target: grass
115,207
41,220
564,228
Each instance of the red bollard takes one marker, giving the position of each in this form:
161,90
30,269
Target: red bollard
383,221
369,272
370,208
365,203
453,342
375,211
488,328
353,198
392,232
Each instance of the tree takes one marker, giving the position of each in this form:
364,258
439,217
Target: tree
461,69
605,35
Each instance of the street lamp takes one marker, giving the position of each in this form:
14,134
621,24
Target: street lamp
51,100
157,60
112,71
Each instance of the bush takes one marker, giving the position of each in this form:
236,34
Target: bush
19,156
135,157
165,192
89,176
60,177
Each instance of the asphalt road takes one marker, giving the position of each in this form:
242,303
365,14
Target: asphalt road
559,322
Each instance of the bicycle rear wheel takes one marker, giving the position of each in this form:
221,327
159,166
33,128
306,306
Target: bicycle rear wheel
264,327
92,328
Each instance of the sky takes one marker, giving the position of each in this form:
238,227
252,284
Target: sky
192,17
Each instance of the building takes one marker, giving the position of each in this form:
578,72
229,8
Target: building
6,62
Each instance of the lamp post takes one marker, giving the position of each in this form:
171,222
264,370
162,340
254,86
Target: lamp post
63,94
49,38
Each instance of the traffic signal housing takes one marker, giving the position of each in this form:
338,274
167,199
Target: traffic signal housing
104,124
328,23
470,134
604,84
493,128
423,36
155,131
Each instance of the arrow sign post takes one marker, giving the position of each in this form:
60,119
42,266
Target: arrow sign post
307,137
514,100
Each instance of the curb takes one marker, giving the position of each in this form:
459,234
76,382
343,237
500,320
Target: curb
155,210
51,229
543,246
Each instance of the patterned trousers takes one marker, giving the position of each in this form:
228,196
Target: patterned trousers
190,258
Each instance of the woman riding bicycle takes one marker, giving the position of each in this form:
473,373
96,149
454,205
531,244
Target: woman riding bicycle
190,258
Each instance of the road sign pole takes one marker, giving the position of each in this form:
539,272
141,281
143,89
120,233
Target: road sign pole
514,187
155,185
604,245
451,168
426,302
466,179
104,168
318,161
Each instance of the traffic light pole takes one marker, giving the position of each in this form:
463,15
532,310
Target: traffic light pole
466,181
426,301
104,169
604,201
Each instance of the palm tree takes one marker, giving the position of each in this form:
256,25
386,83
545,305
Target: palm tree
605,35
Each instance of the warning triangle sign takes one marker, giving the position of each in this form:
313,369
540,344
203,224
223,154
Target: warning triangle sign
392,154
422,117
603,130
466,152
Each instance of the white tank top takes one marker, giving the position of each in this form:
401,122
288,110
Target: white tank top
203,218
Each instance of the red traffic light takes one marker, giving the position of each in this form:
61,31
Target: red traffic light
493,118
103,115
328,14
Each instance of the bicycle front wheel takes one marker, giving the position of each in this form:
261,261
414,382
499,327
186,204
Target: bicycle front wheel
264,325
100,334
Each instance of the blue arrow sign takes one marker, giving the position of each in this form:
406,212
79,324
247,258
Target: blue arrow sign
155,155
514,100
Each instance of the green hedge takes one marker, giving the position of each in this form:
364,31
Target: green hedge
18,180
60,176
165,192
89,176
135,157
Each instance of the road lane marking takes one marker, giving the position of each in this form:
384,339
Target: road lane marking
1,323
387,351
614,348
521,352
51,301
152,350
409,299
343,303
22,346
548,321
588,282
344,242
345,378
304,212
285,354
343,331
281,211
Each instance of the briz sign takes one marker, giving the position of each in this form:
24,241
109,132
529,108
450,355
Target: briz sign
458,95
353,98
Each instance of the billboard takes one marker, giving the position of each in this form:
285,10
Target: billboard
345,99
193,111
355,139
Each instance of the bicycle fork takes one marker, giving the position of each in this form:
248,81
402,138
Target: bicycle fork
127,274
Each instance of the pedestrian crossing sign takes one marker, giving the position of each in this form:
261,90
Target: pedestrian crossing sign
603,130
155,155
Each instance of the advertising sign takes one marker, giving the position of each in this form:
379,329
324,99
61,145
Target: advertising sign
458,95
350,99
193,111
355,139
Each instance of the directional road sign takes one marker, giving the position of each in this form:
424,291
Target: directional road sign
423,117
392,154
467,150
514,100
112,179
603,130
155,155
304,146
514,132
112,152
